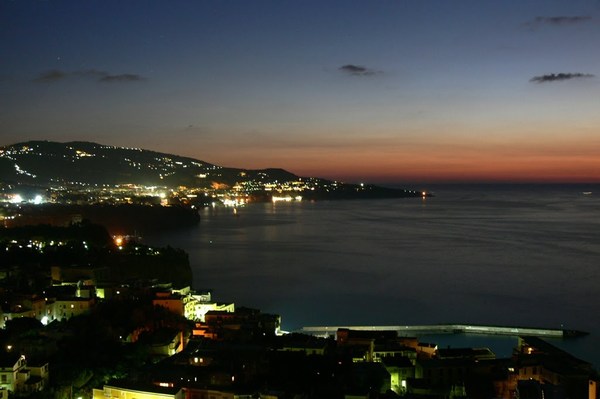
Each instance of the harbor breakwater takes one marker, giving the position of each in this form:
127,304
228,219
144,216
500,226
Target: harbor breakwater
449,329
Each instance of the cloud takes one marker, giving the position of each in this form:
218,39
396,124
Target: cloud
556,77
90,73
357,70
562,20
558,21
56,75
124,77
51,76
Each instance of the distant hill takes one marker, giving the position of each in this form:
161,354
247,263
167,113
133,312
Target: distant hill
79,164
46,163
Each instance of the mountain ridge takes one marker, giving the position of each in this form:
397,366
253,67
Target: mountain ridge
86,171
41,161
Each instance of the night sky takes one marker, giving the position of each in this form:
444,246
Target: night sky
377,91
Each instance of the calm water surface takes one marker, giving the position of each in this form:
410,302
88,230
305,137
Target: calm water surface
514,255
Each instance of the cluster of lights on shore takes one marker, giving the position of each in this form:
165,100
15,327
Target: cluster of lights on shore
18,199
233,200
287,198
228,202
237,202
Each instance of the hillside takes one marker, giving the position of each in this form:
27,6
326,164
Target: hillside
46,163
84,172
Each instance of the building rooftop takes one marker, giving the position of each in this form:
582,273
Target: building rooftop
465,353
142,387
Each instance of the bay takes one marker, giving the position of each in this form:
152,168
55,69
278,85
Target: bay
522,255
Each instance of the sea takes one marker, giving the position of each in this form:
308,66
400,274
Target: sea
514,255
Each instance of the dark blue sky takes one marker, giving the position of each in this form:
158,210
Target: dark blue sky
354,90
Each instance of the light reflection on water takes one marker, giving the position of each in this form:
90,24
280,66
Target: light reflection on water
519,255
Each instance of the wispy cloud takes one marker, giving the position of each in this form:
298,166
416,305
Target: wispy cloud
557,77
558,20
56,75
125,77
562,20
50,76
90,73
357,70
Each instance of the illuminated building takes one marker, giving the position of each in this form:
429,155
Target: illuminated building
550,366
11,364
60,309
196,393
129,391
165,342
400,369
47,310
189,304
173,303
241,324
18,378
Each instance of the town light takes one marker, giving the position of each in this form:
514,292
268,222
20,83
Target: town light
16,199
